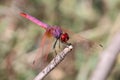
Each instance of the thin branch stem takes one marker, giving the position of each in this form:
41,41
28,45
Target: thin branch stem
107,60
54,63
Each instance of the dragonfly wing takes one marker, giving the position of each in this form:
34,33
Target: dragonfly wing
48,48
86,45
45,43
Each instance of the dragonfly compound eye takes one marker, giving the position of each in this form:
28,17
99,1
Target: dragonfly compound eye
64,37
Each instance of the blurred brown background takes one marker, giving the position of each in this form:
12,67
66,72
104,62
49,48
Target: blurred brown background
96,20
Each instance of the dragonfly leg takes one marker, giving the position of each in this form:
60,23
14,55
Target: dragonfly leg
59,43
55,51
55,44
68,44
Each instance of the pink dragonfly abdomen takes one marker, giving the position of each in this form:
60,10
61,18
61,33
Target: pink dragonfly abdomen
55,31
33,19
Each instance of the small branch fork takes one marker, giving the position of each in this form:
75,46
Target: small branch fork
54,63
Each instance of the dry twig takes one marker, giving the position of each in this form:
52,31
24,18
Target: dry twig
107,60
54,63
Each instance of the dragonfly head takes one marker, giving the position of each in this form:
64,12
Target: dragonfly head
64,37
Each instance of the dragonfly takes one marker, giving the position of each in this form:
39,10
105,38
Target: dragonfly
53,31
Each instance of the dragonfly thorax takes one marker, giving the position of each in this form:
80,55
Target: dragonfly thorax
55,31
58,34
64,37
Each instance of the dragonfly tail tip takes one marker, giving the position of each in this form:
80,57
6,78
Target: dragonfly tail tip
23,14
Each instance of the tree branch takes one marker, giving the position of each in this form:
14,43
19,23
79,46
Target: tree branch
107,60
54,63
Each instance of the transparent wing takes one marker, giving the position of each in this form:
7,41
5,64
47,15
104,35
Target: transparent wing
83,44
45,47
86,45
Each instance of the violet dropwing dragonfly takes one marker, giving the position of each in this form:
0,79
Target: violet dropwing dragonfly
56,32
